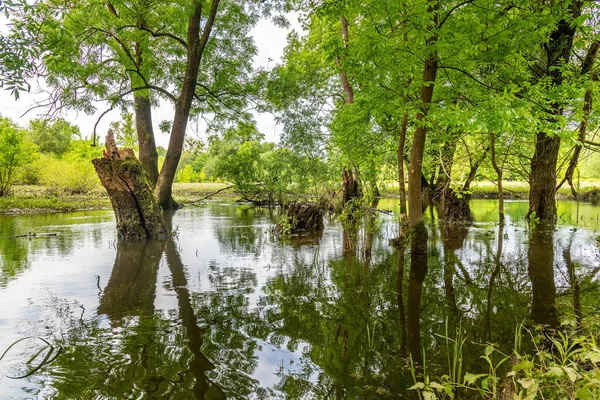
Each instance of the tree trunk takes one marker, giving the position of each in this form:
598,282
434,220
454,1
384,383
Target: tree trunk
542,178
445,172
400,156
196,41
126,181
418,271
143,123
474,168
302,218
587,108
499,178
351,187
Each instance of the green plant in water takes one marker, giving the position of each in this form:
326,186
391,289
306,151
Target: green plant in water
47,353
562,366
286,225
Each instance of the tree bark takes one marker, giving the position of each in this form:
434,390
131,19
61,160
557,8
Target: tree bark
147,145
499,178
542,178
126,181
196,44
351,187
400,156
418,147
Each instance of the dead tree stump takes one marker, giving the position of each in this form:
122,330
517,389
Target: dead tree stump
351,187
126,181
302,218
455,208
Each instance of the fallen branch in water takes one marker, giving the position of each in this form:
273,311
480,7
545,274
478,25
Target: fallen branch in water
211,195
33,234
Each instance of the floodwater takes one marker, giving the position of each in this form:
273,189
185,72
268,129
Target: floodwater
225,309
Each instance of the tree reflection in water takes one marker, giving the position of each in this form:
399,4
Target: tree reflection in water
332,315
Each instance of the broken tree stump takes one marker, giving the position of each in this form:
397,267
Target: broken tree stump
351,187
455,208
302,218
122,175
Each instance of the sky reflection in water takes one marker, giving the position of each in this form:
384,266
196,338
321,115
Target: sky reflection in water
226,310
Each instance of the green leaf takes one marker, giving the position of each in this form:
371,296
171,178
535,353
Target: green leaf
472,378
418,385
525,364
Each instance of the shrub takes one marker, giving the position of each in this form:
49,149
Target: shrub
69,176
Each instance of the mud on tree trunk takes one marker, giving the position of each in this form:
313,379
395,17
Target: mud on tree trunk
126,181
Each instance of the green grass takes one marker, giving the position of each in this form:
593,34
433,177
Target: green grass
512,189
41,199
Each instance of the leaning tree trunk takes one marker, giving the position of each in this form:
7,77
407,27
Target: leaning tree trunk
143,123
197,39
124,178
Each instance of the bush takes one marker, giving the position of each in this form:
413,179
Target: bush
73,176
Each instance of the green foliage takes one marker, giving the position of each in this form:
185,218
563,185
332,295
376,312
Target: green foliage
562,365
124,130
259,171
15,151
72,176
52,137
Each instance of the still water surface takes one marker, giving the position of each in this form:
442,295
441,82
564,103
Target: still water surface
227,310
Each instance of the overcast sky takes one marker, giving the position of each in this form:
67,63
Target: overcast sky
270,41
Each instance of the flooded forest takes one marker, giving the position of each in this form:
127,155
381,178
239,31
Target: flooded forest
422,221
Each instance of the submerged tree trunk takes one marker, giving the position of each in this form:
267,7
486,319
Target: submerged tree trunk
351,187
302,218
126,181
143,123
542,178
400,157
499,178
200,366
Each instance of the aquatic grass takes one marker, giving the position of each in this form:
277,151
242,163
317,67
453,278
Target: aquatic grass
48,356
562,365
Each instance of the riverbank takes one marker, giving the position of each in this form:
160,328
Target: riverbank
513,190
40,199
